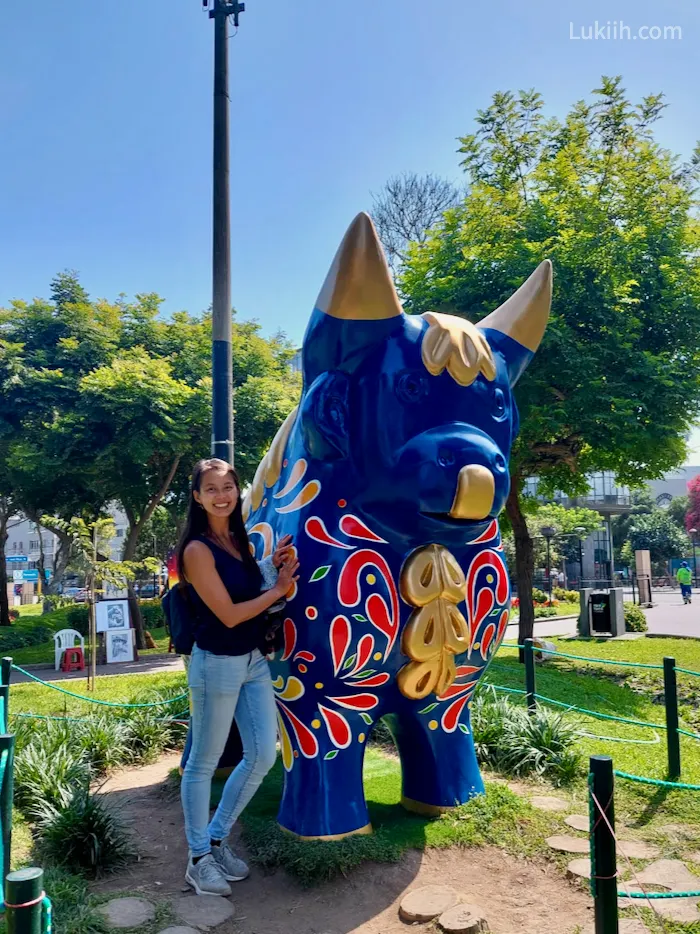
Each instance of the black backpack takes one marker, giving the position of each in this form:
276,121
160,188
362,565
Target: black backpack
180,619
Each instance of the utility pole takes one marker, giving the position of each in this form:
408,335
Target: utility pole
222,369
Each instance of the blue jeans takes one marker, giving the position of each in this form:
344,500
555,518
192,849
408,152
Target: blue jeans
686,590
224,687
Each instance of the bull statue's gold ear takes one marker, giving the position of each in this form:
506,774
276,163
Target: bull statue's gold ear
359,286
523,317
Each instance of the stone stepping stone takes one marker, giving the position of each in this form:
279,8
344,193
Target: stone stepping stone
179,930
565,843
128,912
579,869
578,822
427,903
203,911
636,849
693,857
548,803
463,919
674,876
628,926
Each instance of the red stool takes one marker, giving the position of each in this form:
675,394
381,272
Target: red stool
73,659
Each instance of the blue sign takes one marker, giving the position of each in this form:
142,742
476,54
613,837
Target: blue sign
30,575
19,558
48,573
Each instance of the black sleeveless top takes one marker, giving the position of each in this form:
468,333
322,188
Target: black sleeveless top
243,584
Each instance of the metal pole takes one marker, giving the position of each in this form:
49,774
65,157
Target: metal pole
25,888
7,745
6,670
93,612
580,561
673,744
695,566
549,568
222,366
530,685
603,850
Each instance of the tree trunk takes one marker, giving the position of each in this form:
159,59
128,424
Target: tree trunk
132,540
524,562
4,603
60,562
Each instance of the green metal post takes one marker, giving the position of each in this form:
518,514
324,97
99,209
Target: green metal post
7,744
24,888
5,670
530,688
603,850
4,707
673,740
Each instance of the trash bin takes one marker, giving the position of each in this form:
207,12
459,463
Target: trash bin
600,614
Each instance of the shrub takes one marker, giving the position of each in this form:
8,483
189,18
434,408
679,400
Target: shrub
20,638
48,775
566,596
84,836
635,619
542,611
539,596
152,614
515,603
144,736
103,740
78,618
511,740
13,614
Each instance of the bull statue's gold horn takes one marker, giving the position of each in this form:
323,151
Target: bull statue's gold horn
359,286
525,314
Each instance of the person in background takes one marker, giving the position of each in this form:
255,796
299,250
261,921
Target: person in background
685,579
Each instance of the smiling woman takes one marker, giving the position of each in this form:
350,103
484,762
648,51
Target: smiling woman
228,674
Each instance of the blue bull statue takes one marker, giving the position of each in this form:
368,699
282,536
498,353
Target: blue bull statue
390,476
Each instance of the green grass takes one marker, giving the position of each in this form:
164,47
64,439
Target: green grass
37,698
564,609
29,609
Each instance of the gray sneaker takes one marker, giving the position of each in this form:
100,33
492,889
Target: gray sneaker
206,878
232,868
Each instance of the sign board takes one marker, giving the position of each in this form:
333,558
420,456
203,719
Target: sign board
30,575
115,592
17,577
112,615
120,645
48,573
19,559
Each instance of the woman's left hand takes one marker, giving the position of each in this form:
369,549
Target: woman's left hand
283,551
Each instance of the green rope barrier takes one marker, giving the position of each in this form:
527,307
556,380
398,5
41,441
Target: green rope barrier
3,766
601,716
602,661
94,700
687,733
658,894
510,645
47,914
687,671
620,739
656,781
499,687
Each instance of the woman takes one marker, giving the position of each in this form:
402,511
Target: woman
228,675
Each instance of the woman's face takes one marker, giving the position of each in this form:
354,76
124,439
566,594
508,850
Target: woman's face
217,493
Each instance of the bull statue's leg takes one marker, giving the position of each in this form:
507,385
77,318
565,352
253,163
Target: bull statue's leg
438,763
323,796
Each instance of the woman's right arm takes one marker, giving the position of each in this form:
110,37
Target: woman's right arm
200,571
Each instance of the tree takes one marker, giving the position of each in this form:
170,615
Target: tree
678,510
658,534
692,518
407,208
616,380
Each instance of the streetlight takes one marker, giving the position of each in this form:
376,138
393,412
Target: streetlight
155,554
693,533
549,532
581,532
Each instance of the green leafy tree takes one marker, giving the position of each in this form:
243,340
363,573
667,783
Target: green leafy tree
616,381
678,510
658,534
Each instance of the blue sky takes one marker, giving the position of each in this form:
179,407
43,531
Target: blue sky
105,118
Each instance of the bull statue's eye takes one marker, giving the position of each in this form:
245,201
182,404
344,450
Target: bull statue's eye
411,386
500,410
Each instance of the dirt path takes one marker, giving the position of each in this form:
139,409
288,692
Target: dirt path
518,897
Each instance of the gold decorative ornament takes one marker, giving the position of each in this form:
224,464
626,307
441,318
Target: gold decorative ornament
432,581
525,314
360,832
476,489
359,286
458,346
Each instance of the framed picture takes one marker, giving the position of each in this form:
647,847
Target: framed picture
120,645
112,615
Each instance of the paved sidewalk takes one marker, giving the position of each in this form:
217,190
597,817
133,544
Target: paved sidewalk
147,665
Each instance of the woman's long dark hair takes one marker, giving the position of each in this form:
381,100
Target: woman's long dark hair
197,522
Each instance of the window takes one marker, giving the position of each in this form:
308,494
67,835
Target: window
120,533
34,544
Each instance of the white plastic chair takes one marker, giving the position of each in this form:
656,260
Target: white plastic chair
66,639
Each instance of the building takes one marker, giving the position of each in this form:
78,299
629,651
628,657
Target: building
672,485
295,362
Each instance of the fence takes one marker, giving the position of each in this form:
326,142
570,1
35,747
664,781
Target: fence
601,779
